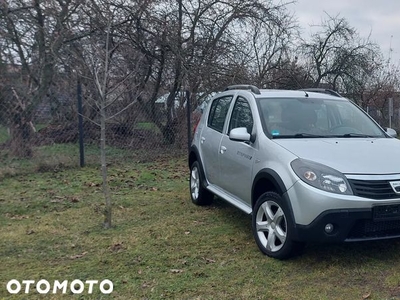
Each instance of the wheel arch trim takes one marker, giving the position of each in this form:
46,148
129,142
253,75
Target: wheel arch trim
195,156
273,178
279,187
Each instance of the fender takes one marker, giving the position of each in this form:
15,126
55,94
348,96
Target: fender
272,177
277,185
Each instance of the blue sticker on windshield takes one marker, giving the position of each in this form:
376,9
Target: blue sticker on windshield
275,132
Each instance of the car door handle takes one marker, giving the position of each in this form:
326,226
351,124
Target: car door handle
202,139
223,149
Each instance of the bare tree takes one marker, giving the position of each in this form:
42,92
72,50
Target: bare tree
100,63
191,45
336,53
267,48
33,33
337,57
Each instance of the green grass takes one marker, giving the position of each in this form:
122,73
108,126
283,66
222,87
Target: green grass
4,136
161,245
63,156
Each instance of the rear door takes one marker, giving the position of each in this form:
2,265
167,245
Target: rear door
211,135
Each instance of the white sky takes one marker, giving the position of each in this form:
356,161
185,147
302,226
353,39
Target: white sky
380,18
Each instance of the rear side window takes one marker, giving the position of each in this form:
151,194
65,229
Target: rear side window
218,111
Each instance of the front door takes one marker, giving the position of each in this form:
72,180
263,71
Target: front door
236,159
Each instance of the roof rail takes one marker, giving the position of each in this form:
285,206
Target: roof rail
250,87
322,90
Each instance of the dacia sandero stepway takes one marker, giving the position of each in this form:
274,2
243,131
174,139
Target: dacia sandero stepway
308,165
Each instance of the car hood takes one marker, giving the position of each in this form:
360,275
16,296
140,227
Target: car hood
349,155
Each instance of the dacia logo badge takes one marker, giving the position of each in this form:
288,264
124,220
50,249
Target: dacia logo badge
395,186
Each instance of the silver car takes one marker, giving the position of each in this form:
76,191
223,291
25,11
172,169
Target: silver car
308,166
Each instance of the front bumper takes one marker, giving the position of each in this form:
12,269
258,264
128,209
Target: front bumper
349,225
353,218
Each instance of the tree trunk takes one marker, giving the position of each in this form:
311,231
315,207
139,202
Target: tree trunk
106,189
21,130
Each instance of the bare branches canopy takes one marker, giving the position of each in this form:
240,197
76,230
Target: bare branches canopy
130,52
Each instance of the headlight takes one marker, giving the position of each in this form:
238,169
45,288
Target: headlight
321,176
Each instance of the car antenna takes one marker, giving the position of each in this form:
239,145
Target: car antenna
306,94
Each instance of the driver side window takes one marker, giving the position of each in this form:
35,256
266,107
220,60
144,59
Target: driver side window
241,115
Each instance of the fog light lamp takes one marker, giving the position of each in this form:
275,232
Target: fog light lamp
329,228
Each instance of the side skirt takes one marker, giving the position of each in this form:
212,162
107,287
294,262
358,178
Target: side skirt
230,198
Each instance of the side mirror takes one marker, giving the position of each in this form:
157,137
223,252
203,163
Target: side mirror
240,134
391,132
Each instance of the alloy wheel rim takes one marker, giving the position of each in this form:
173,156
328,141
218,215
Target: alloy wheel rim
194,183
271,226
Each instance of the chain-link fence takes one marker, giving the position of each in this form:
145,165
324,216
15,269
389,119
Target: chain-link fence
60,140
387,115
67,135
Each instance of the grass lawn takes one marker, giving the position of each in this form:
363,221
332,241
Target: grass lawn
162,246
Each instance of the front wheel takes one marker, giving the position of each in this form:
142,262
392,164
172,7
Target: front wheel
273,227
198,193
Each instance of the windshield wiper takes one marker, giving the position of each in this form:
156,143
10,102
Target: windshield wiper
307,135
298,135
353,134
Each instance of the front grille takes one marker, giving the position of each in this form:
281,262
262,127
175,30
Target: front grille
368,229
373,189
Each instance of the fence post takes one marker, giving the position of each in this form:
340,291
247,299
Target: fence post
189,126
390,112
80,125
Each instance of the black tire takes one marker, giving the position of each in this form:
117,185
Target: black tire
198,193
273,227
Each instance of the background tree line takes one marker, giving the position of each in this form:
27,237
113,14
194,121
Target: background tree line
127,53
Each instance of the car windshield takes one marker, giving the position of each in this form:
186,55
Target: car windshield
315,118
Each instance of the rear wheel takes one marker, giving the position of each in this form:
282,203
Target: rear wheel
273,227
198,193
